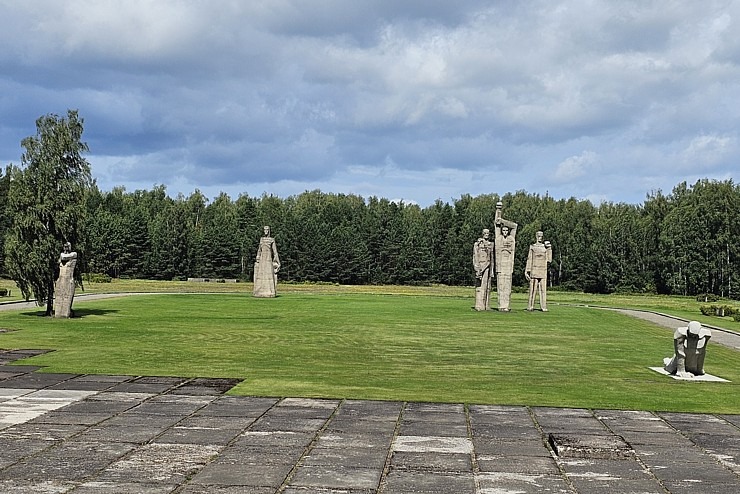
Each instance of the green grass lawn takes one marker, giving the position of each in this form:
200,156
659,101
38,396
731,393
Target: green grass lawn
408,345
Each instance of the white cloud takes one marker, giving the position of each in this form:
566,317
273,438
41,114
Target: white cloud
706,151
576,167
287,95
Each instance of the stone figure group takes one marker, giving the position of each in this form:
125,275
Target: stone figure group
498,257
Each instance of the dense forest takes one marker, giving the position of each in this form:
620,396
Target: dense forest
685,242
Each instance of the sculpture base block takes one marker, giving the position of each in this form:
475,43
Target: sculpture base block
704,378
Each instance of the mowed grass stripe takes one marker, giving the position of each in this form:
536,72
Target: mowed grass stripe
374,346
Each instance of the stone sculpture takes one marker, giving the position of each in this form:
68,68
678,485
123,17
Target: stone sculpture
504,244
64,290
690,346
540,254
482,260
266,267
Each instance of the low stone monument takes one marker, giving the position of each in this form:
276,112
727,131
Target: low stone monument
266,267
690,347
505,245
540,254
64,289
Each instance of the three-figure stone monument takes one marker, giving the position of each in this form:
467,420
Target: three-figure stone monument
64,290
266,267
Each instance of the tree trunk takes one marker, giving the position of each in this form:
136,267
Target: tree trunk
50,300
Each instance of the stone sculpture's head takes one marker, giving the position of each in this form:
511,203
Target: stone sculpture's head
67,247
539,235
266,230
486,233
505,230
694,327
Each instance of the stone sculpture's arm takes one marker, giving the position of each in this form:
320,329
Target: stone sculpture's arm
275,257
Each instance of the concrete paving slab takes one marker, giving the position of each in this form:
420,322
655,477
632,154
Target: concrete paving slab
350,458
97,487
371,410
68,461
244,474
403,481
205,387
126,397
433,444
273,439
438,462
10,393
590,446
336,477
63,417
350,425
285,423
600,484
539,465
160,463
520,483
504,432
495,447
347,440
700,487
423,428
198,435
620,469
35,487
138,387
121,434
42,432
101,378
229,406
209,422
309,403
226,489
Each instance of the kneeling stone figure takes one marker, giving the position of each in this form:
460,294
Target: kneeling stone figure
690,346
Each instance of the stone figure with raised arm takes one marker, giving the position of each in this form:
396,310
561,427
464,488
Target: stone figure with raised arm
482,263
64,291
690,346
504,245
540,254
266,267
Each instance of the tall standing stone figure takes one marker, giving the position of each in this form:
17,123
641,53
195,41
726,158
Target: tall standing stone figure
64,290
482,260
505,245
266,267
540,254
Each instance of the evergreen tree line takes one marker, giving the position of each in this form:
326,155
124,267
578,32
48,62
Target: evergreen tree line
686,242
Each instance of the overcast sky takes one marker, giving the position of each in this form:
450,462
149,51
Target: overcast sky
404,99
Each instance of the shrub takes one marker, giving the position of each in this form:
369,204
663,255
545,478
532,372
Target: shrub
719,310
97,278
706,297
707,310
